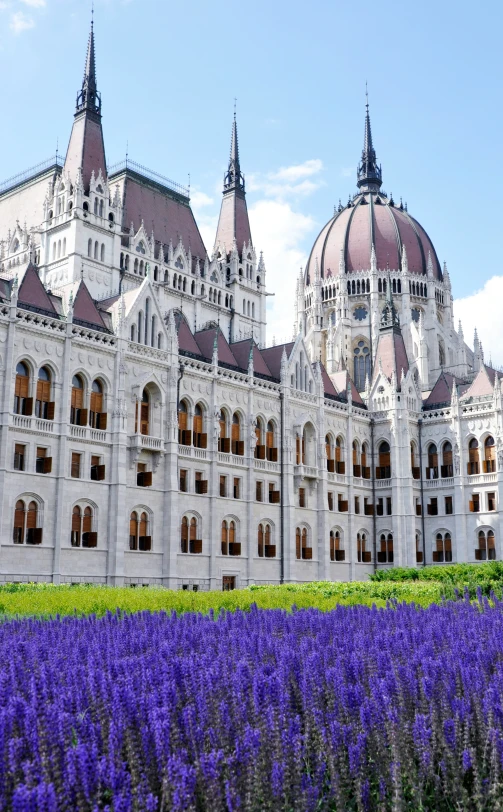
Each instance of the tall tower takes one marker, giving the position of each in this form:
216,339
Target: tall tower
233,224
86,149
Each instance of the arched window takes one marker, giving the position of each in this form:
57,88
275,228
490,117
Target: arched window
485,550
101,208
22,403
133,332
229,545
300,449
362,554
357,469
26,530
43,406
264,547
489,465
126,262
340,465
473,457
270,443
139,536
302,550
365,461
443,548
89,248
385,552
330,454
199,439
224,443
102,252
140,327
446,467
97,416
383,470
361,365
96,205
419,550
237,445
82,534
135,266
159,341
432,469
337,553
184,434
413,462
260,444
78,415
144,414
64,246
96,249
54,248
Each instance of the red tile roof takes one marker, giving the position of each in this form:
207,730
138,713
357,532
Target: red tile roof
85,310
32,292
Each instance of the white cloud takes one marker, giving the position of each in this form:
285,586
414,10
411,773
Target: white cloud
200,199
34,3
298,171
279,232
20,22
482,310
289,181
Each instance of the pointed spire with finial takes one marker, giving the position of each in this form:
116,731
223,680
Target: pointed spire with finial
88,97
389,317
86,149
369,173
233,224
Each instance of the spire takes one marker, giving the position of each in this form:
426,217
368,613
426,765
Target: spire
88,97
389,317
86,149
233,178
369,173
233,224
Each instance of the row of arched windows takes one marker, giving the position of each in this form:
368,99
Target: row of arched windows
145,331
98,252
83,411
248,308
441,465
59,249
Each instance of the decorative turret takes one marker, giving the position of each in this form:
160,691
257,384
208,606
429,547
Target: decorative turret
233,225
389,316
369,173
86,149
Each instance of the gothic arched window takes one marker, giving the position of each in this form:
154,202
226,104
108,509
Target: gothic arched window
361,365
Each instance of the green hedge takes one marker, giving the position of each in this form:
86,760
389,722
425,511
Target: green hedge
46,600
487,576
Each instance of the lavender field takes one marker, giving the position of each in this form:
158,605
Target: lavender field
354,709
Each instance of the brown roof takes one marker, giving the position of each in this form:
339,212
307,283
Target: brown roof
483,383
340,381
392,355
206,340
442,391
241,352
85,310
32,292
272,357
86,149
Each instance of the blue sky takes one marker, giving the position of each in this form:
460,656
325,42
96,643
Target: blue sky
169,72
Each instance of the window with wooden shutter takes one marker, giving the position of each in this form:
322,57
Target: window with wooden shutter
21,389
237,445
195,544
270,549
237,488
145,413
199,439
133,531
224,539
76,526
75,470
184,535
183,433
446,467
223,485
234,546
31,522
259,491
43,462
43,398
330,496
77,401
97,417
491,501
271,450
260,540
340,465
302,497
490,456
473,457
88,537
183,480
432,469
297,542
144,540
383,471
19,522
19,456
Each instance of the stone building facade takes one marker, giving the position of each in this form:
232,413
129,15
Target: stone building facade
149,436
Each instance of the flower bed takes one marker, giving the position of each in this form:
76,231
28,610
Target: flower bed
355,709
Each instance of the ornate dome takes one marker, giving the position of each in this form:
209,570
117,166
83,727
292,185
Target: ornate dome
371,218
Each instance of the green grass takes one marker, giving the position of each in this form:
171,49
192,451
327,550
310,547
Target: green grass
49,600
421,586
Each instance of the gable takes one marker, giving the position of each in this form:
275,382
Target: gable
33,294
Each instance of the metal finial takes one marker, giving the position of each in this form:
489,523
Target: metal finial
366,96
235,102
